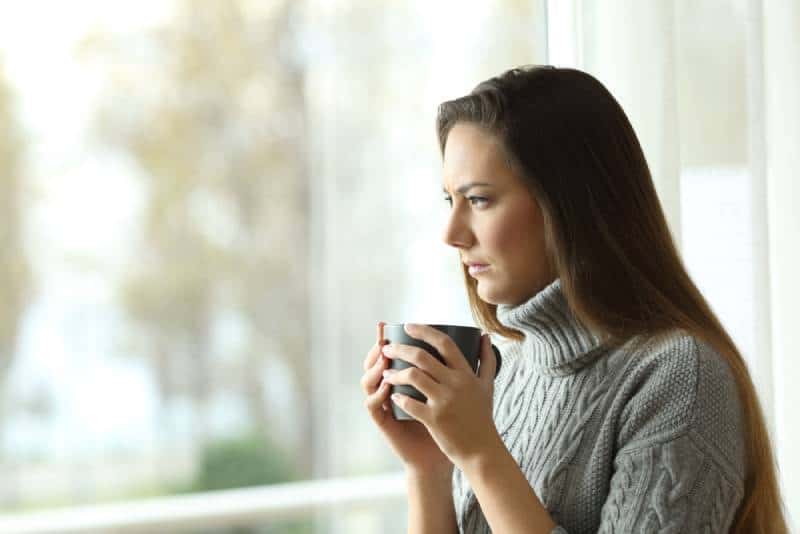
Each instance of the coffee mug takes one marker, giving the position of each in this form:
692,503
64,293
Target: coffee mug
467,338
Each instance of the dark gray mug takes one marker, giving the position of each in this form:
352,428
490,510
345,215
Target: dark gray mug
467,338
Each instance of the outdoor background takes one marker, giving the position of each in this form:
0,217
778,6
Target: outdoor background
206,206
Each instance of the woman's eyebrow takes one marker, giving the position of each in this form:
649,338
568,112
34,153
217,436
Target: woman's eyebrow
464,188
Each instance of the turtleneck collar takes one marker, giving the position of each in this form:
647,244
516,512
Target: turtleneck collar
555,340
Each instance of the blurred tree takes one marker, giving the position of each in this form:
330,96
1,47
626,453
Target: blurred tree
210,108
240,462
245,461
16,279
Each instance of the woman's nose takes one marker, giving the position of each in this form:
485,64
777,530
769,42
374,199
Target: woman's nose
456,233
454,238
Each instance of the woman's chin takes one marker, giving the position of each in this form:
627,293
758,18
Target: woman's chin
485,292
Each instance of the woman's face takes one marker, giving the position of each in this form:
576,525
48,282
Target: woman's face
498,224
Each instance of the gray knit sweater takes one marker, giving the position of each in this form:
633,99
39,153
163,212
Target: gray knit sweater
614,440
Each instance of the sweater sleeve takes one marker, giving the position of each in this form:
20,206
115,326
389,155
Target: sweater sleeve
679,465
670,487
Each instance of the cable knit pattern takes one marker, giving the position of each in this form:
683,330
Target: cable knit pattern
635,438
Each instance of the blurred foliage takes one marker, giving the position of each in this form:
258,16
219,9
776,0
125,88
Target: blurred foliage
293,526
16,277
213,117
250,460
247,460
15,271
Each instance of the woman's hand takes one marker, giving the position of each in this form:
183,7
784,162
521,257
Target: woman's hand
410,440
458,412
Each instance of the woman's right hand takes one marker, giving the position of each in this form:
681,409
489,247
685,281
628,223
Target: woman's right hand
410,439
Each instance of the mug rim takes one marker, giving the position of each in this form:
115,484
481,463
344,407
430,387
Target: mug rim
435,325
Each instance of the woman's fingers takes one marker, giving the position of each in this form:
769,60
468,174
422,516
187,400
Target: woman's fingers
375,351
372,378
377,401
419,379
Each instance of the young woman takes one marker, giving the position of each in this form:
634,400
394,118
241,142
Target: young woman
622,404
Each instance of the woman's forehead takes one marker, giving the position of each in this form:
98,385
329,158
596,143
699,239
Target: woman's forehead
472,155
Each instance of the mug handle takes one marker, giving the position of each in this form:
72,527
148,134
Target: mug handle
499,359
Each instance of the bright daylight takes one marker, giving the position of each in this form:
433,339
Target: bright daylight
244,290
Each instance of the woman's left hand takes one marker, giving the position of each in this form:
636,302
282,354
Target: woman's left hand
458,414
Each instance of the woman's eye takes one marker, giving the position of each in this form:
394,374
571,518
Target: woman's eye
471,199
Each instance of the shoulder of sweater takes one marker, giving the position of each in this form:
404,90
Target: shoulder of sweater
678,384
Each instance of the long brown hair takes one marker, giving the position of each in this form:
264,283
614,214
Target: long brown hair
606,235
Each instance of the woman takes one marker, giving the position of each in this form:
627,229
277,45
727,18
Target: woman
622,404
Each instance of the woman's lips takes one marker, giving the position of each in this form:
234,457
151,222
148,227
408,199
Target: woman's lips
477,269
